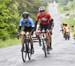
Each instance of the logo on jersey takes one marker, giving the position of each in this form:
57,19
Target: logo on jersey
44,19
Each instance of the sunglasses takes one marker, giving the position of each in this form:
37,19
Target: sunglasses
42,10
25,17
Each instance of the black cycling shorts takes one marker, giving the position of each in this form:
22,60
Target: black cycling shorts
27,29
45,27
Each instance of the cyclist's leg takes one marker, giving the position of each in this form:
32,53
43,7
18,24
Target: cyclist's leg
39,39
50,35
22,37
48,40
68,35
32,47
31,41
38,36
64,34
47,36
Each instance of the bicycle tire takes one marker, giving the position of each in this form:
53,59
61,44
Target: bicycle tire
26,51
29,50
24,54
44,48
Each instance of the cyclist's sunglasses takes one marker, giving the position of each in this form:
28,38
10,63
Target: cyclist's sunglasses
25,17
42,10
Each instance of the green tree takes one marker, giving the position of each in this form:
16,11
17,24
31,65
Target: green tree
10,14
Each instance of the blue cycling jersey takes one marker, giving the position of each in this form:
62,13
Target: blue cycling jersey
29,21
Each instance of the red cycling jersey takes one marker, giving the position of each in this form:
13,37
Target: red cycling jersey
44,19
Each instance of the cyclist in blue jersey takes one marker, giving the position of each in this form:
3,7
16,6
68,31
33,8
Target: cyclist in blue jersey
27,24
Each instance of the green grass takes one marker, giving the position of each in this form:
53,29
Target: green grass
9,42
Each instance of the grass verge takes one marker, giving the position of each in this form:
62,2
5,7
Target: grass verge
9,42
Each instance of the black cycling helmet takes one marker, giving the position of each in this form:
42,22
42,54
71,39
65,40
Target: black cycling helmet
65,24
25,14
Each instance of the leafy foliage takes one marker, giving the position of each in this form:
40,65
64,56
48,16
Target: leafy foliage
10,14
69,11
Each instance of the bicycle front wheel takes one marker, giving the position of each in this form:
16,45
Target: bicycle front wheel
24,53
44,48
29,50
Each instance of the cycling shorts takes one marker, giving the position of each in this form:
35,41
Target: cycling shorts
27,29
45,27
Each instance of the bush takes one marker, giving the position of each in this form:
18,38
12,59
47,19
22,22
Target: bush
4,35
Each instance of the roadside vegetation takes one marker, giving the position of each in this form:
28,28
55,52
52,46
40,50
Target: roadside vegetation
69,13
9,42
10,14
11,11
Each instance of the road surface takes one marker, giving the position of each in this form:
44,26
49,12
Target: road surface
63,53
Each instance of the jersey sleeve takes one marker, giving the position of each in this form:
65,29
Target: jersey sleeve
38,16
21,22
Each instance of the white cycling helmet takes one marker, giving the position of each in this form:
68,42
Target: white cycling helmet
42,8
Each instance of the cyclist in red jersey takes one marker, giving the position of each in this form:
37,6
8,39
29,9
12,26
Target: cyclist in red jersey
45,20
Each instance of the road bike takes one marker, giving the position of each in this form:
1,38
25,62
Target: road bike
44,42
26,47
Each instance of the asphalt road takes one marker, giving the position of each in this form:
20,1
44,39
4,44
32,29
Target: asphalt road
63,53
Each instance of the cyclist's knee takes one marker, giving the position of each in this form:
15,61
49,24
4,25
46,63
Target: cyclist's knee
22,40
22,36
22,33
